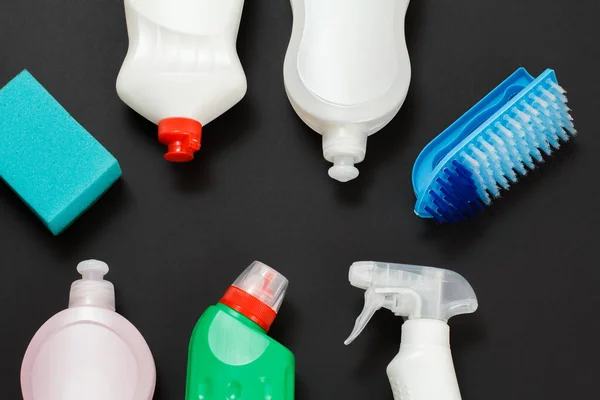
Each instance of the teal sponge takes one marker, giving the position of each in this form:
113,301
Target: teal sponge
47,158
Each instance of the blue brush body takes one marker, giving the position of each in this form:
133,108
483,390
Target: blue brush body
501,138
55,166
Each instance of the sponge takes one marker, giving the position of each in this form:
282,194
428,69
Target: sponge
47,157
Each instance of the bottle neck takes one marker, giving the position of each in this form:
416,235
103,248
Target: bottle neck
92,293
344,141
423,331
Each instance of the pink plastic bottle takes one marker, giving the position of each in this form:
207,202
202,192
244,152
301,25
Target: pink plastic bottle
88,351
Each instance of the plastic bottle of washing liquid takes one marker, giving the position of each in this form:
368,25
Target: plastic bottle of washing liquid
347,73
428,297
88,351
231,356
182,69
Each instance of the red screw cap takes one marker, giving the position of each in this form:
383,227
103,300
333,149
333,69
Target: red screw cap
257,294
249,306
182,136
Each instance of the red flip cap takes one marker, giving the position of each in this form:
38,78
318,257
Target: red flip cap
182,136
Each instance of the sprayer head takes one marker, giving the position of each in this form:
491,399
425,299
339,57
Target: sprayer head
410,291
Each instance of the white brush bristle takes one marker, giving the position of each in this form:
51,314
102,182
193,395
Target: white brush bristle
511,147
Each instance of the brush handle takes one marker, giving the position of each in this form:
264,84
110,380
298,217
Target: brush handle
423,369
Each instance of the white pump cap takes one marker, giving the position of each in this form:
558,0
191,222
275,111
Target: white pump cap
410,291
344,147
92,290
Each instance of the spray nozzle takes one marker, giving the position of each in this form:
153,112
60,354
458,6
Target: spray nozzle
410,291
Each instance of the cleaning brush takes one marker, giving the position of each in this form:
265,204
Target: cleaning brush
503,137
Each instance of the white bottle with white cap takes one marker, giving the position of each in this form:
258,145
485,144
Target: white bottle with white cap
428,297
347,73
88,351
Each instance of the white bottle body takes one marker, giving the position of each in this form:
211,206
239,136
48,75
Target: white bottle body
347,69
423,369
182,60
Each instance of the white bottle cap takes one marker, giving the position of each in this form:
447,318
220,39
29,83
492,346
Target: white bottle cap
344,147
92,290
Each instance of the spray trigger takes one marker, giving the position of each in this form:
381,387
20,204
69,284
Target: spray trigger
373,302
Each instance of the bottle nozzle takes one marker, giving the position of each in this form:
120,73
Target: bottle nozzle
92,270
344,146
343,169
182,136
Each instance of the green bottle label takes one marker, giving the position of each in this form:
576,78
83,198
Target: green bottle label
232,358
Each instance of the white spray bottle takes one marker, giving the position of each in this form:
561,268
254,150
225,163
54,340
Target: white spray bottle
428,297
347,73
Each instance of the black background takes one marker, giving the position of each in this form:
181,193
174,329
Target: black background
176,236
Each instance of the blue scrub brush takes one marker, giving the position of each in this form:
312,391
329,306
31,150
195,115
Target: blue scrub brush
504,136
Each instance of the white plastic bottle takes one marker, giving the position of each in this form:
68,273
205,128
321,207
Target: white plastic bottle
347,73
182,69
88,351
428,297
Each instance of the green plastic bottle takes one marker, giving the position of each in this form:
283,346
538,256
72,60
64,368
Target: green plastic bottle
231,357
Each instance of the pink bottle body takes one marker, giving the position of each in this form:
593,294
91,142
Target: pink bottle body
88,351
